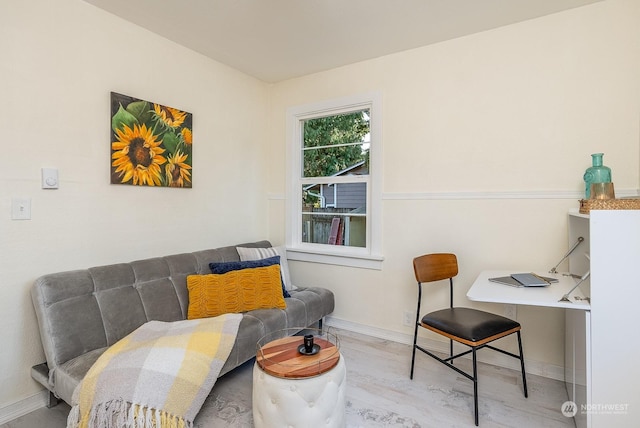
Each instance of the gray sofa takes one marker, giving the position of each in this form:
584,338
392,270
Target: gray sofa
81,313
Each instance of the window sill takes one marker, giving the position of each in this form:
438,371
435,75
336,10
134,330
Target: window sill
332,258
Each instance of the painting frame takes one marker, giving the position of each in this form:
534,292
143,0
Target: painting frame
151,144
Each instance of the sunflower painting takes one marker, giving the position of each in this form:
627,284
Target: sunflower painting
151,144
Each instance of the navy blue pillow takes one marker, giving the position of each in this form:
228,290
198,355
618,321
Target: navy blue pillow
224,267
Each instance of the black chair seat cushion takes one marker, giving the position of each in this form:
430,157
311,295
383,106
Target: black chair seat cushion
469,324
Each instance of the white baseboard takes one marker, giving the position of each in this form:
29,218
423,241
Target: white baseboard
22,407
533,367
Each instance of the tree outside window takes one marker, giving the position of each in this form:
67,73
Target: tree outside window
335,170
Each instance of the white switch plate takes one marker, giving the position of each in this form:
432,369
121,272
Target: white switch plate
49,178
21,209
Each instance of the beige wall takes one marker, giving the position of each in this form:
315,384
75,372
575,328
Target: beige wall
485,141
60,60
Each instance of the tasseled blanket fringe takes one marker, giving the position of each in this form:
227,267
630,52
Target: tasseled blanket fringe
121,414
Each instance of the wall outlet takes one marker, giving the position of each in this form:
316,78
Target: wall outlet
510,311
408,318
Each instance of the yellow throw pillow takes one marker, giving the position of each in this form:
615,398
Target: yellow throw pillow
234,292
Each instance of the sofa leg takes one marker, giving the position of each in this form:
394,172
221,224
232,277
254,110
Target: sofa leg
320,324
53,400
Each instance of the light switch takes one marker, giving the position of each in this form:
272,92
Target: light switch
21,209
49,178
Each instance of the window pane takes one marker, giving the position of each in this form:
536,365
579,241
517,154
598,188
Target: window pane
335,214
336,145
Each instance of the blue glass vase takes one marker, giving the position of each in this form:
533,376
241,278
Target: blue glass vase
596,173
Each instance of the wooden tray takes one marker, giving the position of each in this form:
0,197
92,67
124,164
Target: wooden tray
281,358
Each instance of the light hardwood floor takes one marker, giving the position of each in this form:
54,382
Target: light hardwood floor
380,394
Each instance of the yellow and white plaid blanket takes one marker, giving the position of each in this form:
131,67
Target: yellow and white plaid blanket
158,376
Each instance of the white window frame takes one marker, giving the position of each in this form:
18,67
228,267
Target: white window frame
369,257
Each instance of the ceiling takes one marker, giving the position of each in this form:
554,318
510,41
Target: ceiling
275,40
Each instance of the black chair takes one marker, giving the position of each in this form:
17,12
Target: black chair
470,327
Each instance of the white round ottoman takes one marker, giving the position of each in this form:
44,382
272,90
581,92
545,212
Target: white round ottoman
317,401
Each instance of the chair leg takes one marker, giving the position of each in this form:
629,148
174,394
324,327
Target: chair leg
475,386
524,376
415,332
451,350
413,355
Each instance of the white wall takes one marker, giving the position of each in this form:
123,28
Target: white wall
485,142
60,60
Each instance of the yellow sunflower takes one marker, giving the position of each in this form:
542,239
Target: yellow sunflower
187,135
171,117
137,155
177,170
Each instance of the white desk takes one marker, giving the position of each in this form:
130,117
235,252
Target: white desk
600,350
577,328
484,290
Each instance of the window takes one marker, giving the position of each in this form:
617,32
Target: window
333,196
